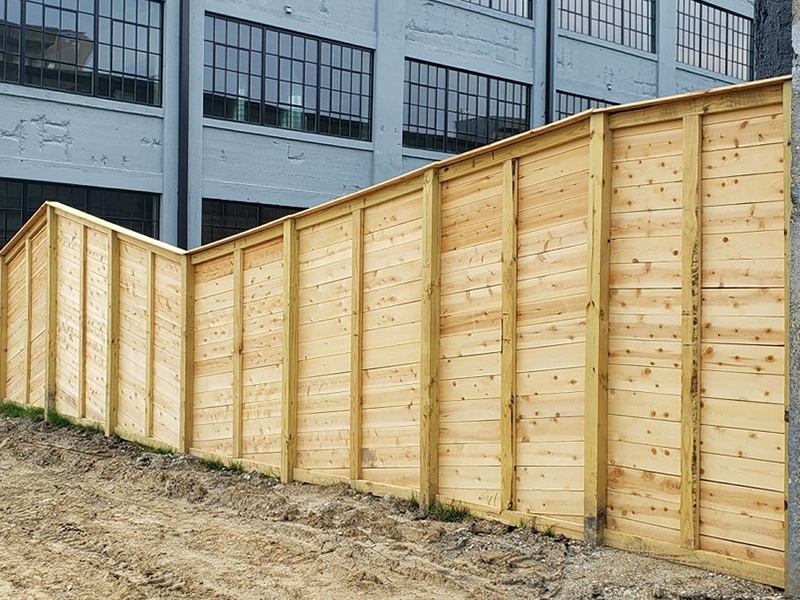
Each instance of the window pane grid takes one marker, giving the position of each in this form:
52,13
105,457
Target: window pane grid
105,48
449,110
223,218
626,22
266,76
715,39
19,200
520,8
568,104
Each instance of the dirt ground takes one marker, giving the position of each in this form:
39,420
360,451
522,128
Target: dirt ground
88,517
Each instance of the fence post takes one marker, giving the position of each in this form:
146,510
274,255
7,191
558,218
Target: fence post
429,355
596,409
52,303
28,316
83,284
356,344
187,354
508,355
691,291
238,365
290,340
4,328
112,334
149,374
791,115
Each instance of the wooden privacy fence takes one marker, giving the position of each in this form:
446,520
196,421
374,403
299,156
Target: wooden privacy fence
583,327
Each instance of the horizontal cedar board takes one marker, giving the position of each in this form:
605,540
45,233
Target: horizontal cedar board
329,458
648,141
402,280
646,171
743,443
652,353
744,472
315,240
551,358
476,496
644,405
396,377
390,457
647,484
313,441
746,529
378,337
550,502
735,414
744,552
390,214
729,191
637,378
468,343
725,497
407,252
560,260
408,478
636,250
621,524
743,245
399,354
743,358
539,335
550,429
661,275
558,285
658,223
465,455
663,196
558,478
743,273
263,255
457,235
664,434
655,511
550,406
761,388
469,432
546,454
469,389
470,367
470,478
335,275
624,325
744,302
666,461
337,251
753,129
481,409
565,152
391,437
532,240
311,314
535,194
310,348
733,218
556,382
389,416
472,187
731,162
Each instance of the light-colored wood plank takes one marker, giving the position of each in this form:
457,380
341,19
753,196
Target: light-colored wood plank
238,343
508,367
52,317
429,356
112,334
356,345
743,472
290,341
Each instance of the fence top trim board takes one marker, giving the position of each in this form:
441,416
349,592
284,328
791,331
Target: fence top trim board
768,91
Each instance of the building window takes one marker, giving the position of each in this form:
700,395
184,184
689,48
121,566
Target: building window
19,200
262,75
715,39
449,110
627,22
222,218
520,8
105,48
568,104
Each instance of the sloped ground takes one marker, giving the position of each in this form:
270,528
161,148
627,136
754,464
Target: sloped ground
87,517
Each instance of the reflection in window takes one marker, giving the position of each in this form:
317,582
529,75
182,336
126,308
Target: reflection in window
261,75
20,199
450,110
714,39
222,218
520,8
568,104
627,22
106,48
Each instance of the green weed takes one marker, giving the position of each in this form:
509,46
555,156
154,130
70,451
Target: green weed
58,421
413,502
448,513
17,411
212,464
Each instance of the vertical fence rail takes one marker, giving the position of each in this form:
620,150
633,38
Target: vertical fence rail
112,334
429,352
28,317
238,365
82,326
290,344
508,356
51,303
596,404
356,344
4,294
149,383
691,287
187,355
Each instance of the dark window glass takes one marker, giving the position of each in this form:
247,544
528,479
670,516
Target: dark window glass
627,22
136,211
568,104
715,39
520,8
450,110
106,48
222,218
291,81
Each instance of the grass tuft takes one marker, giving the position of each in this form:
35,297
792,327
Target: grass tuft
448,513
58,421
17,411
413,502
549,532
212,464
236,467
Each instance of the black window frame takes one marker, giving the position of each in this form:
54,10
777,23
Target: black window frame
125,37
623,22
244,215
428,110
518,8
125,208
698,47
568,104
286,79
